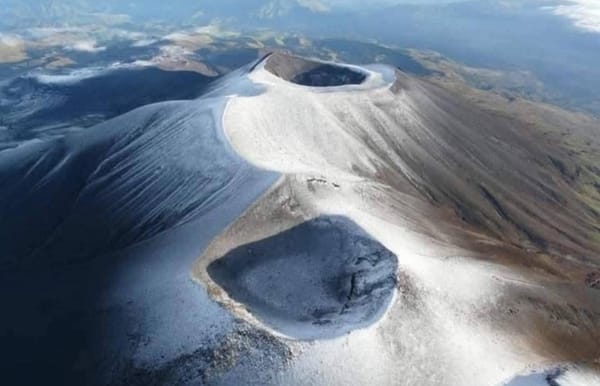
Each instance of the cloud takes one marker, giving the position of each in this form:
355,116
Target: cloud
85,46
584,13
12,49
143,42
77,75
48,32
10,40
71,77
313,5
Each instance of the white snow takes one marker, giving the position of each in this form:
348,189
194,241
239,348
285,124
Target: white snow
579,376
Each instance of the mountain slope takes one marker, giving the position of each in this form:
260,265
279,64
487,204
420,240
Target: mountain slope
493,244
122,181
413,138
299,222
32,105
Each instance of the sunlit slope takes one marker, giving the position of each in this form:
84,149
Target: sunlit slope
450,167
492,243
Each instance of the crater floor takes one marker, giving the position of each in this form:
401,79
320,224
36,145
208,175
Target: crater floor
320,279
314,74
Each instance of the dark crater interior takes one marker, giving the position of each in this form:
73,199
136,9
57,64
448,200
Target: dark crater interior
308,73
320,279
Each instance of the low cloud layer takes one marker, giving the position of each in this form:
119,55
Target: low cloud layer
584,13
85,46
12,49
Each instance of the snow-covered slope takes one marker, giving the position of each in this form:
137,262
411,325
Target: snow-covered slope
410,136
98,232
477,213
39,105
299,223
127,180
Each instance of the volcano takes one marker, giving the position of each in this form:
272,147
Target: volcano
299,222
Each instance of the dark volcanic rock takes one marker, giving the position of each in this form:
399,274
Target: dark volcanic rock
592,280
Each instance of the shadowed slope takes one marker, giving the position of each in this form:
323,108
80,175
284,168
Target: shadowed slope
120,182
98,231
36,106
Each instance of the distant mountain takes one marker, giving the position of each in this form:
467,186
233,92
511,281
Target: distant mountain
30,105
276,8
22,14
